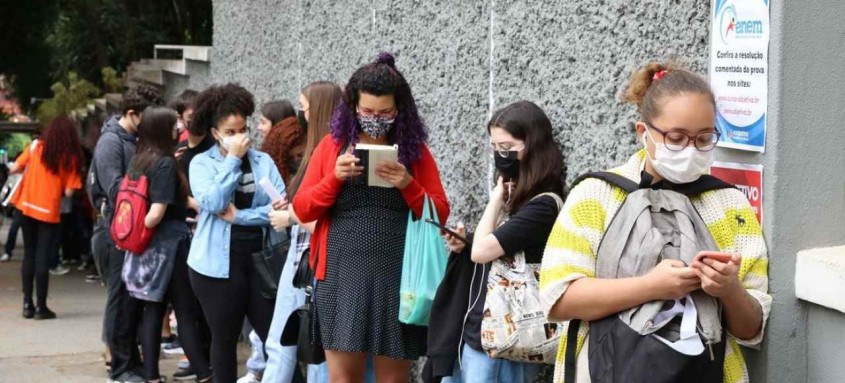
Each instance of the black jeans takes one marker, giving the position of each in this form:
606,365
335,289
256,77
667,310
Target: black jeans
38,239
70,240
225,302
194,334
12,238
123,313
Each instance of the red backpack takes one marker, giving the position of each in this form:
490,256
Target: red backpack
131,206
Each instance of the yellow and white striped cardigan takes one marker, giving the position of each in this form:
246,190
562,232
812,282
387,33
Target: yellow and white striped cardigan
571,250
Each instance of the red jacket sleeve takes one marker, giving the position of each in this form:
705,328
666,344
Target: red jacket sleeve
426,181
319,187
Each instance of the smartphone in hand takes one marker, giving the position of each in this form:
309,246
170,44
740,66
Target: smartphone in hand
449,231
714,255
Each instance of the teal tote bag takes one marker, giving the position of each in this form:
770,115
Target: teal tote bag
423,267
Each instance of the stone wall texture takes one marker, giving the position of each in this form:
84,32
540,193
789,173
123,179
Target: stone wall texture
465,59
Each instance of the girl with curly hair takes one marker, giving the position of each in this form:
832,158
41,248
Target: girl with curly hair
357,247
53,169
284,139
233,224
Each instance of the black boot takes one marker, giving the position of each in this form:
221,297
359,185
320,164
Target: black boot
28,310
42,312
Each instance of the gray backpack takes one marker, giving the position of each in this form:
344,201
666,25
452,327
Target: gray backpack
659,341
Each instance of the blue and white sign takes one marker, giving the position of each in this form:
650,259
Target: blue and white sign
739,71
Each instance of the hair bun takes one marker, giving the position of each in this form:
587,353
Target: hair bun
386,58
641,81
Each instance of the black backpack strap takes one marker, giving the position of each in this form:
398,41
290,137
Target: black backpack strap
571,359
611,178
704,184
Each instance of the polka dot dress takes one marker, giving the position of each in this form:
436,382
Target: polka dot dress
358,302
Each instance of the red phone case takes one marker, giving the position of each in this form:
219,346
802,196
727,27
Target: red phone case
714,255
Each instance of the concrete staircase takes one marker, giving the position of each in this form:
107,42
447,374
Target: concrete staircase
173,68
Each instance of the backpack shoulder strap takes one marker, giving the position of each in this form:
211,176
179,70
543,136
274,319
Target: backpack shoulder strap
554,196
704,184
611,178
570,359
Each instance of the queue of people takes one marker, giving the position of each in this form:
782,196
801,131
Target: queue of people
650,271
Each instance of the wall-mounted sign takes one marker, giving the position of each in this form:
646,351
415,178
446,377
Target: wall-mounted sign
747,178
739,71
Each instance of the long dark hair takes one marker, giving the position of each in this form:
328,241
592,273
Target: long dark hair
155,141
542,168
62,151
278,110
381,78
323,97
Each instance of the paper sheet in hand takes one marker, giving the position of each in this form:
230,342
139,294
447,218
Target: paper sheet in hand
270,189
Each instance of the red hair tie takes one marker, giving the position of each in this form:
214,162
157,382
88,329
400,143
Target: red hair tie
659,75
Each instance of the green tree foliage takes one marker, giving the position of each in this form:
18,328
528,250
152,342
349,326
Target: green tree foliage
43,40
70,93
24,53
16,143
111,80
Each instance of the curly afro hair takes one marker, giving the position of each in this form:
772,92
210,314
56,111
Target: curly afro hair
140,98
218,102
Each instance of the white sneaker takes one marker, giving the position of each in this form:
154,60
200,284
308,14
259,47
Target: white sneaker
249,378
59,270
173,351
5,258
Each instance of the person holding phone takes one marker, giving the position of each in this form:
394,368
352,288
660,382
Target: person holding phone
232,225
677,131
518,218
358,244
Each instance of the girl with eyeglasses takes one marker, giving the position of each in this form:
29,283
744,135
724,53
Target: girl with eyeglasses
359,240
517,220
677,131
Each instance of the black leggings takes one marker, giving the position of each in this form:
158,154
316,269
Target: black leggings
225,302
38,239
150,334
194,334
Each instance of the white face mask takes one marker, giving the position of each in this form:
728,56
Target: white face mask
227,141
678,167
180,126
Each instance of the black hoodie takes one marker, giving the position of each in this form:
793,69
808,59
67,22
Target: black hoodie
447,315
112,154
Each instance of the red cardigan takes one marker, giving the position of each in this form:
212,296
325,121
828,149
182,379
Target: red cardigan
320,187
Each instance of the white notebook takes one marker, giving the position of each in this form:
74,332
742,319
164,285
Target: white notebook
371,156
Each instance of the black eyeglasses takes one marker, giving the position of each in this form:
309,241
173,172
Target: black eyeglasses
677,141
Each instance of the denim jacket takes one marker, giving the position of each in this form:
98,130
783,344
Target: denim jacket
214,179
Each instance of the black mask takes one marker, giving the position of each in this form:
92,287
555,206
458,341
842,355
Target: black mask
302,121
508,166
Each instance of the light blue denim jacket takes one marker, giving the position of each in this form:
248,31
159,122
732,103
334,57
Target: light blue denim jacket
214,179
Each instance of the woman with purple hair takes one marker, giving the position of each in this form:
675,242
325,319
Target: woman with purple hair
357,246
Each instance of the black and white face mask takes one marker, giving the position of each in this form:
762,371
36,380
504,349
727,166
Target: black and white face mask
376,126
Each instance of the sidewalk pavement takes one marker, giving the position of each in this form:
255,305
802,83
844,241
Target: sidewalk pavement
66,349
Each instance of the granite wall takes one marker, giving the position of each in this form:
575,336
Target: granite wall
465,59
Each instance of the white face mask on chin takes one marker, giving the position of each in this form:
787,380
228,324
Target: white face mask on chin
678,167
